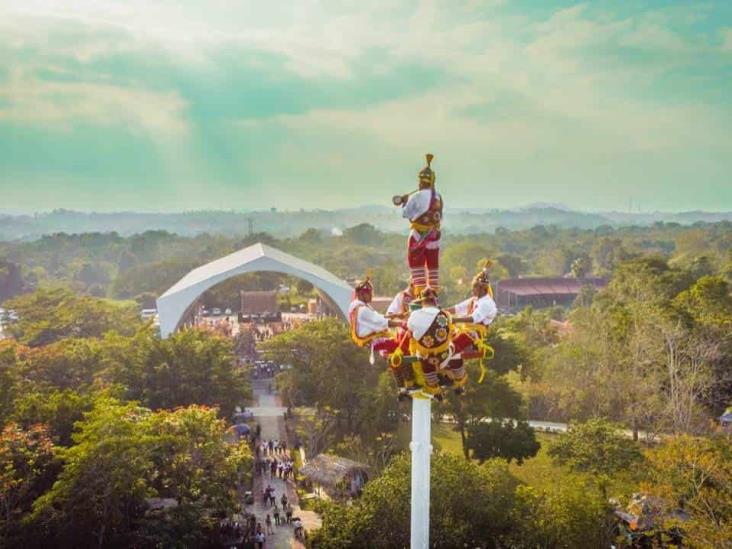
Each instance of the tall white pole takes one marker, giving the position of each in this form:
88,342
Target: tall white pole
421,447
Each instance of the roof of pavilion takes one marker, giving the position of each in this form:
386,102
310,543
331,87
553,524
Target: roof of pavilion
547,285
329,470
176,302
248,255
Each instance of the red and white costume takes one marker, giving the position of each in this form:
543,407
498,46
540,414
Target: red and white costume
430,329
369,327
400,304
483,312
424,211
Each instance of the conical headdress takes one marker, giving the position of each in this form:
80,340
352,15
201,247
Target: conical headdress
427,174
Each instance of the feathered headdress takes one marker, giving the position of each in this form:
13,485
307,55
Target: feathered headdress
364,285
483,277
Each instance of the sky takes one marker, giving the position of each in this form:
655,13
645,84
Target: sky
224,104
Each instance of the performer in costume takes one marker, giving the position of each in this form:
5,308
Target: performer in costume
399,306
424,211
475,314
368,326
371,328
430,328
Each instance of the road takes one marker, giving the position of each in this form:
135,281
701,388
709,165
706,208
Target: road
556,427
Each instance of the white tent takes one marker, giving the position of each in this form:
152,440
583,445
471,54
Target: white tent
174,303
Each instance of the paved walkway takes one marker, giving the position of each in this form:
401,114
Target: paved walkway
269,415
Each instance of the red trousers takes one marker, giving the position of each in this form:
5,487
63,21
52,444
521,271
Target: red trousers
456,367
423,258
387,345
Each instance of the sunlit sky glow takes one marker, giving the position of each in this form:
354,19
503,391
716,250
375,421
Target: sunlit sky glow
179,105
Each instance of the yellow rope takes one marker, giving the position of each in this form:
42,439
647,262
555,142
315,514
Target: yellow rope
487,353
395,360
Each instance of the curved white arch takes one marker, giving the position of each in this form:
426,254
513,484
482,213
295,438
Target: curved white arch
174,303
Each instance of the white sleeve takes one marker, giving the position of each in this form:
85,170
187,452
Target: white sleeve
485,311
462,308
419,321
395,306
417,204
370,322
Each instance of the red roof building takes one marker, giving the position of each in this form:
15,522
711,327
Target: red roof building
516,293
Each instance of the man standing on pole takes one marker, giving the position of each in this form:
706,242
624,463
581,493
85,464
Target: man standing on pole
423,209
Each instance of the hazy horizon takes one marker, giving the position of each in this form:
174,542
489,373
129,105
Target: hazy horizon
101,211
177,106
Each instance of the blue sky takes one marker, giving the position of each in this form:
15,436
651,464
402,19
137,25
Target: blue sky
109,105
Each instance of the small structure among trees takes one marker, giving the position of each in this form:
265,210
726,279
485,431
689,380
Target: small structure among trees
339,477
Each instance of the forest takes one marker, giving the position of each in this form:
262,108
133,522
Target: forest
99,414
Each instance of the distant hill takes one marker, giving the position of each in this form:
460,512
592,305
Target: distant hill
291,223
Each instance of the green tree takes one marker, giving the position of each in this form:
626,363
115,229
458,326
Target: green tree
507,440
327,372
363,234
126,260
470,506
696,474
66,364
124,454
102,487
191,458
11,280
494,398
189,367
581,267
92,273
467,254
154,277
48,315
513,264
606,253
567,515
596,447
58,409
27,469
9,377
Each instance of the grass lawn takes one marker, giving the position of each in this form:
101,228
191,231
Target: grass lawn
539,471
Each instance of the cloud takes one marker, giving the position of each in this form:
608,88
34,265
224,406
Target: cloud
288,93
63,103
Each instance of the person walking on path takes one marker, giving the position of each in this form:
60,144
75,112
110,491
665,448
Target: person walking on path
259,537
268,524
276,513
288,513
283,499
299,530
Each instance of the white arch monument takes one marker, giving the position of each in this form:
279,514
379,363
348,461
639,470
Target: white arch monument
174,303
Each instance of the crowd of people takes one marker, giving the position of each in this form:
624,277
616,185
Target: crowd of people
263,332
261,533
281,468
273,461
264,370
